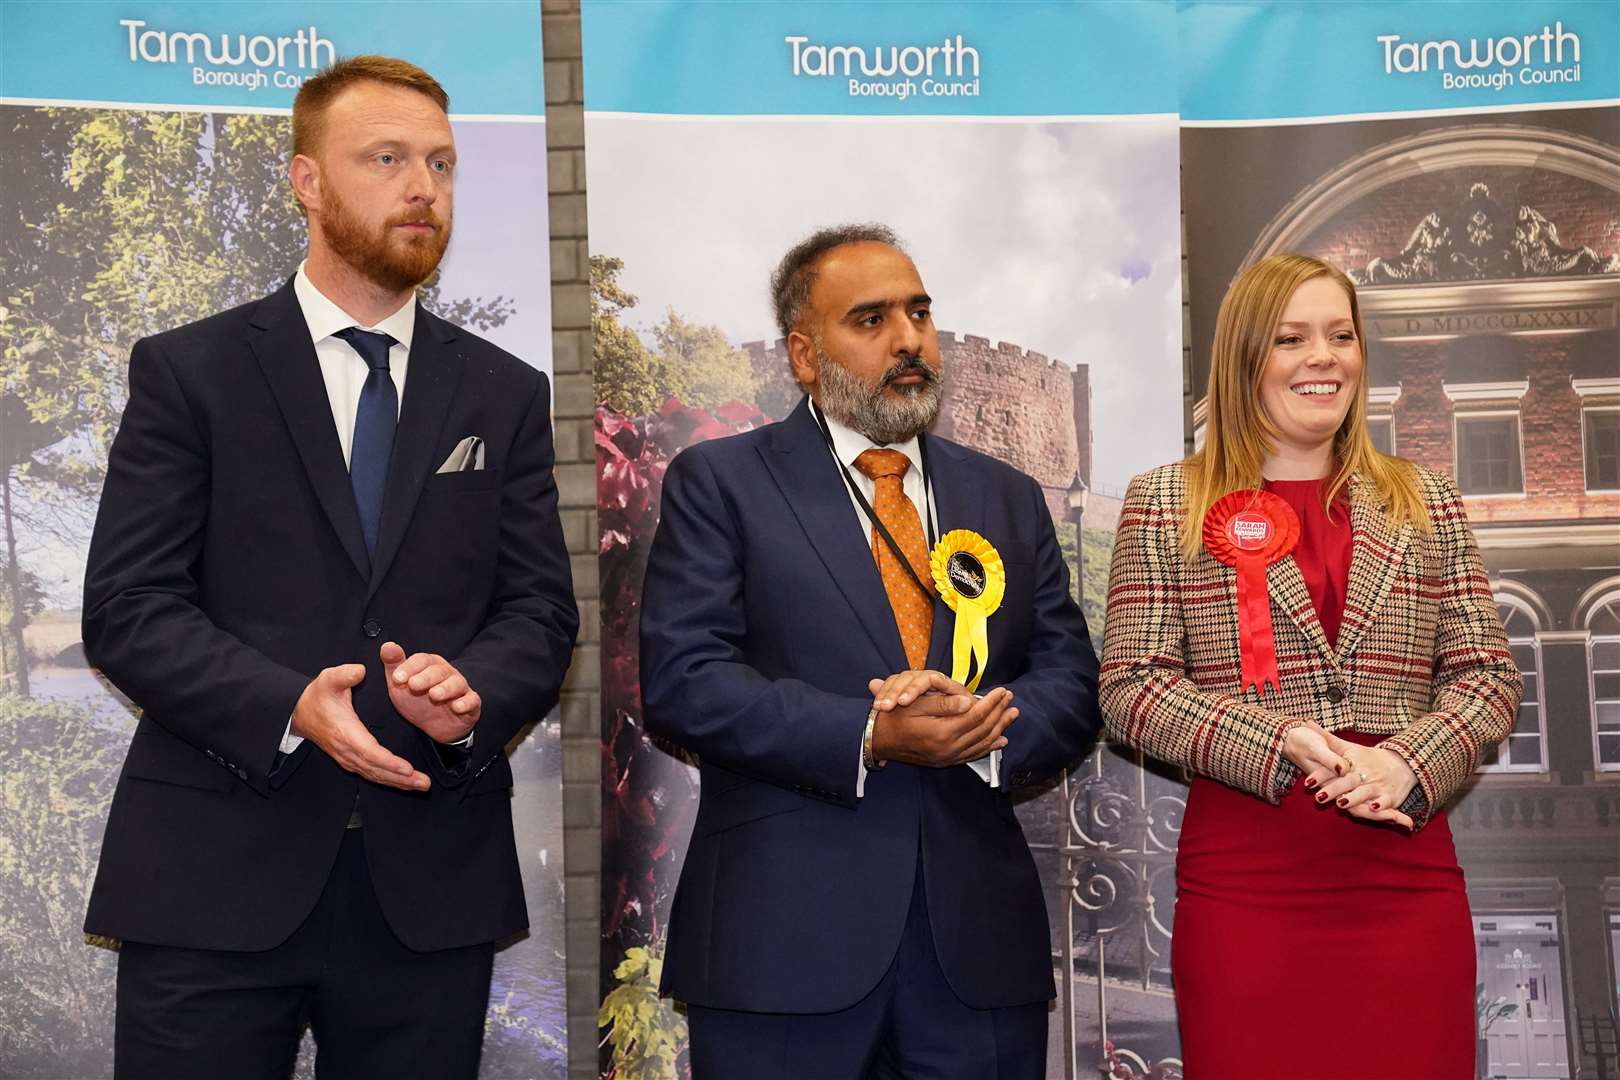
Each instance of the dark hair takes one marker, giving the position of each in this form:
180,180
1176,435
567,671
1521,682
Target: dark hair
796,274
319,91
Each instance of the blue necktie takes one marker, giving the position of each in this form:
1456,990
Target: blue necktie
374,424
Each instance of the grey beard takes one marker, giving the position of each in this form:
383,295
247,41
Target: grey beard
850,401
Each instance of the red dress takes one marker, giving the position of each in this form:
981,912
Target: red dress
1308,943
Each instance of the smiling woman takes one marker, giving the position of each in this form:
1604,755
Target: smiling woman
1314,823
1310,378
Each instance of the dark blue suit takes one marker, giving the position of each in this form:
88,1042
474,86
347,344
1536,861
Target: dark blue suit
763,618
228,568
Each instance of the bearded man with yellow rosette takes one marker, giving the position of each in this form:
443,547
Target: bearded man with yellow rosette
866,634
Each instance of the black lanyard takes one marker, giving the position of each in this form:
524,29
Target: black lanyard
866,507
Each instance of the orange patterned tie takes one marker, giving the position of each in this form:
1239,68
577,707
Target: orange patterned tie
913,612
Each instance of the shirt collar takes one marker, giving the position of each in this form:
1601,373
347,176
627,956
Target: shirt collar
325,318
849,444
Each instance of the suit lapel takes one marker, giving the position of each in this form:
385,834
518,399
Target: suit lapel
286,355
1290,593
959,500
1376,555
430,384
816,494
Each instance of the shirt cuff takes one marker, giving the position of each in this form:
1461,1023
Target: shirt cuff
988,768
860,765
289,741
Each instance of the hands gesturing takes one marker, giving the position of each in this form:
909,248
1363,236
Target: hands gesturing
1367,782
425,689
428,691
926,718
325,716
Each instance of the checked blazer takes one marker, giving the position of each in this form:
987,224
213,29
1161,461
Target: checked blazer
1421,656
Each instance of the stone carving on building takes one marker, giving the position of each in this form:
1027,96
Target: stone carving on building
1482,239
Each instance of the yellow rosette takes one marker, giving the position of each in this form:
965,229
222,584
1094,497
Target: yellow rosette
968,573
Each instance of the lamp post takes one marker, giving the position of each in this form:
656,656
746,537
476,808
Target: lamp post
1077,495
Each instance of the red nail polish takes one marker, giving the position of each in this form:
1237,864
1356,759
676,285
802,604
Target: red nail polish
1321,797
1309,783
1344,802
1375,806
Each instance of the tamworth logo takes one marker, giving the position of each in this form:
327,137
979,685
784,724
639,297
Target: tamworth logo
304,49
949,69
1458,63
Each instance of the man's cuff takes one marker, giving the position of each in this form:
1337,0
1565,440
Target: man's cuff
860,765
988,768
291,742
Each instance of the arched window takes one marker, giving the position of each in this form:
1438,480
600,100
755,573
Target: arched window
1525,748
1603,661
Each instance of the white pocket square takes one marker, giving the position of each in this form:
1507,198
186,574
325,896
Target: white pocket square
468,456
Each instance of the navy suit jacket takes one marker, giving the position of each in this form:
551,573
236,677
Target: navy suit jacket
763,617
227,568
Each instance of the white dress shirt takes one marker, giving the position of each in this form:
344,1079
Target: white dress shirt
344,371
849,444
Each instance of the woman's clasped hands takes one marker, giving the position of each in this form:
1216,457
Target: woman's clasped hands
1367,782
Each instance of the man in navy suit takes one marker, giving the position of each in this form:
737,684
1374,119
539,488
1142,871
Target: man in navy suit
858,899
328,568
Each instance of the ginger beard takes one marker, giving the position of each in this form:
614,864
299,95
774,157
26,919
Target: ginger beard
870,410
392,258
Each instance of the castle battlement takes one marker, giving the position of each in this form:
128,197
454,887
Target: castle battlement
1024,407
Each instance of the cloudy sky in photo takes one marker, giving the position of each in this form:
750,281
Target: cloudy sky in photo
1061,237
500,245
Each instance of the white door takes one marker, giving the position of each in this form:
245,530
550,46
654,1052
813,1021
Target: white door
1521,970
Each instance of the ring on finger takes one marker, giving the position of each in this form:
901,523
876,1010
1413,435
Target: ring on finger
1363,777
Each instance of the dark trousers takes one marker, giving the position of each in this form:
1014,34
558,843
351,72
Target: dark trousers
912,1026
376,1007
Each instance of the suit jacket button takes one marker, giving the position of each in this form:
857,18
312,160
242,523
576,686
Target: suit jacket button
241,774
372,628
1334,694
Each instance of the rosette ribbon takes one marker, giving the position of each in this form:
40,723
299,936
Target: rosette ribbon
1249,530
969,574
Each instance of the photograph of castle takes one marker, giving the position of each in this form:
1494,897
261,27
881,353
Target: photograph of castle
1052,252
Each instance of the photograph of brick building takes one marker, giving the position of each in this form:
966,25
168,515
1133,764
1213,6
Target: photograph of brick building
1487,258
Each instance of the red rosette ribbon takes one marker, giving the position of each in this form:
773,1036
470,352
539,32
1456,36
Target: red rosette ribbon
1250,530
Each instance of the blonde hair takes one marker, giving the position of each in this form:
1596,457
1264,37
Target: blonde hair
1237,432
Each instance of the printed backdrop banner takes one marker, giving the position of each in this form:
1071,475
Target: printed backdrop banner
1461,162
1027,156
146,148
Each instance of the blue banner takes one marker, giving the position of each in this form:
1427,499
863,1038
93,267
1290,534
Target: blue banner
257,55
1260,61
147,147
903,59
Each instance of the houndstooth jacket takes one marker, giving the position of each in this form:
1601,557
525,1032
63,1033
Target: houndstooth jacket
1421,655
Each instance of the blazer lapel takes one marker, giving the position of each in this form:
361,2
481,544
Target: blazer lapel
286,355
430,384
817,496
959,500
1289,592
1377,552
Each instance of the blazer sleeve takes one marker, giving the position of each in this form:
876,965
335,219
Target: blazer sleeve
142,624
1476,684
697,687
1148,702
518,659
1056,697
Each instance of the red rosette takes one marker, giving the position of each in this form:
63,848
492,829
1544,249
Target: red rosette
1249,530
